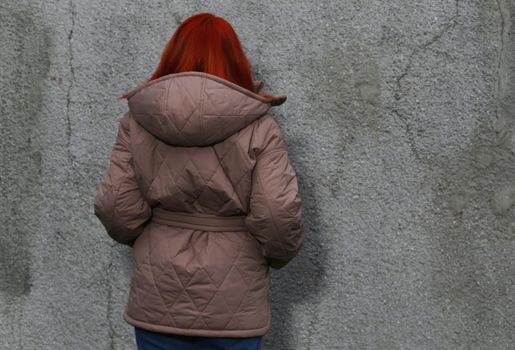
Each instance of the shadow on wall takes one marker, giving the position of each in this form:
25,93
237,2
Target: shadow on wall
301,281
24,63
345,95
473,284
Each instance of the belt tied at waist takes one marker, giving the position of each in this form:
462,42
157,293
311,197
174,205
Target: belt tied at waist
199,221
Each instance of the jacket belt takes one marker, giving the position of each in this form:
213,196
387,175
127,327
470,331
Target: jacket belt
199,221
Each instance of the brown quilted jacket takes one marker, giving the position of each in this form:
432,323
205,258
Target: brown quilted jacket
201,186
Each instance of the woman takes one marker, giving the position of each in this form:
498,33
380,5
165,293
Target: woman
201,187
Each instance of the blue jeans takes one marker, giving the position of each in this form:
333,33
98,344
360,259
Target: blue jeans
147,340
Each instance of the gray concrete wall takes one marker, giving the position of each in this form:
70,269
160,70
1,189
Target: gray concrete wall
400,120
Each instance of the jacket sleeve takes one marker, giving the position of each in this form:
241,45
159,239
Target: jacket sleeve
119,203
275,216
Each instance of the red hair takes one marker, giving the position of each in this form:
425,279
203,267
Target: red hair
207,43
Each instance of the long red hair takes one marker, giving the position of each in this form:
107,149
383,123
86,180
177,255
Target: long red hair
207,43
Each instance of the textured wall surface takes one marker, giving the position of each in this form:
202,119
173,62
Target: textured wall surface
400,121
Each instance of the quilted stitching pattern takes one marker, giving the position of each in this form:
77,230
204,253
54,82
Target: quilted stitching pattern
197,144
227,287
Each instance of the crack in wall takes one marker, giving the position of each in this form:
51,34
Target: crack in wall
20,330
501,6
448,26
421,48
409,133
109,309
72,81
501,79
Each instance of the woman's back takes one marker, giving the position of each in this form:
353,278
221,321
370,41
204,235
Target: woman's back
201,186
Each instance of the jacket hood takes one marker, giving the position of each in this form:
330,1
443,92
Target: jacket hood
195,108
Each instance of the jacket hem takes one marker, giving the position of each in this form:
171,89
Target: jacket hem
236,333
